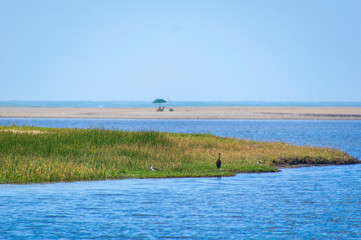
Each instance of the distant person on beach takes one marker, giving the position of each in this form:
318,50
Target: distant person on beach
160,109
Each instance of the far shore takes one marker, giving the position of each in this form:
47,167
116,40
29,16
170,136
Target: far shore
276,113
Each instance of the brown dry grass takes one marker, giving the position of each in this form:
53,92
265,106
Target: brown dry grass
74,154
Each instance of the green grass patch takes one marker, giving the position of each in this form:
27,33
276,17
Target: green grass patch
33,154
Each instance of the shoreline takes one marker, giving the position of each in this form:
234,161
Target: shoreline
252,113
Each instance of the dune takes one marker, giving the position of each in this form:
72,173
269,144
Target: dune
306,113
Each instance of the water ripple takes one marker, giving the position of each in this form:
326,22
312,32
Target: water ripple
304,203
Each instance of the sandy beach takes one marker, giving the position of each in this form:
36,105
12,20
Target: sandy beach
306,113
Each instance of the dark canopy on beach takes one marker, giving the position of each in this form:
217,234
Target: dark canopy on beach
159,100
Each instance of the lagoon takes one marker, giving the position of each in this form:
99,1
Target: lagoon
302,203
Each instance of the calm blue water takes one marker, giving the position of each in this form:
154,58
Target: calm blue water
303,203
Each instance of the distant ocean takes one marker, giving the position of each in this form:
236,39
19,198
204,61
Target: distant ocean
145,104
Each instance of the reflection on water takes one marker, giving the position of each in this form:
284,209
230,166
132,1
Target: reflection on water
303,203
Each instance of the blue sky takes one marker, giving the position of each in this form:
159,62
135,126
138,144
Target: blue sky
185,50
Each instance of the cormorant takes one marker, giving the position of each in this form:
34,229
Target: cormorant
218,162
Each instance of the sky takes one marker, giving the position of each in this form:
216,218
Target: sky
184,50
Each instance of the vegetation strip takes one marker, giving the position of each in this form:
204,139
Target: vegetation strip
33,154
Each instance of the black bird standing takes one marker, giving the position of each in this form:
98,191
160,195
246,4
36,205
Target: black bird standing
218,162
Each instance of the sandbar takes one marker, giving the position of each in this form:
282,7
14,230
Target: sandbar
276,113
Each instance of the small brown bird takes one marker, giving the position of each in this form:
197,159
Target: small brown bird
218,162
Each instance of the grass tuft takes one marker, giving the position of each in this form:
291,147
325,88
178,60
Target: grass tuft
33,154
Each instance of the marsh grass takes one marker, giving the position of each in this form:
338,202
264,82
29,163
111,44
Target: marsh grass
32,154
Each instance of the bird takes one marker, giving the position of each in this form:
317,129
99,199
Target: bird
154,169
258,162
218,162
